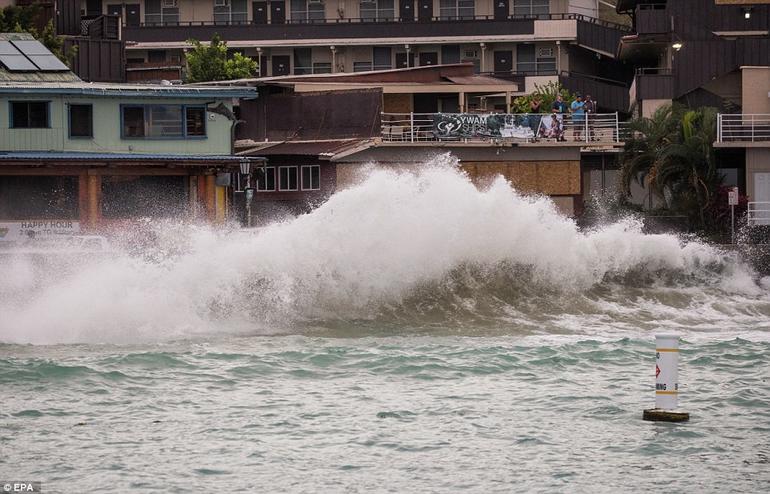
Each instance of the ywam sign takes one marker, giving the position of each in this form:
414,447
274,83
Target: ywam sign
466,125
14,231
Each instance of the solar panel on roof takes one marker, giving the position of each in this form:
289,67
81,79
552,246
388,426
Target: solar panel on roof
41,57
6,48
31,47
17,63
48,63
12,58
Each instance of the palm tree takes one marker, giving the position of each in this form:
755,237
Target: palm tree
672,153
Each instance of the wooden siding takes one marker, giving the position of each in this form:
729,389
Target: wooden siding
610,95
98,60
543,177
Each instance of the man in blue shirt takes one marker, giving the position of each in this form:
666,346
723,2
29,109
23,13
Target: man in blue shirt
578,108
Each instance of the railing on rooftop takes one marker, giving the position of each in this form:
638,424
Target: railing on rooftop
743,128
758,213
371,20
596,129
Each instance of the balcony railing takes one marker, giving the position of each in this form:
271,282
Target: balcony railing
596,129
758,213
352,28
743,128
654,83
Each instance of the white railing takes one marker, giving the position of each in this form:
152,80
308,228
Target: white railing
743,127
759,213
597,128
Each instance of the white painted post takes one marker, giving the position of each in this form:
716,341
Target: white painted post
617,127
666,371
666,381
411,125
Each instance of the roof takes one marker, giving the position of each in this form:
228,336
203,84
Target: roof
108,90
86,157
326,150
35,77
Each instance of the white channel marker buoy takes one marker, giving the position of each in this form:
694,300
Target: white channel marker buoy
666,381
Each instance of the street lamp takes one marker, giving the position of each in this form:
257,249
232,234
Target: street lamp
246,170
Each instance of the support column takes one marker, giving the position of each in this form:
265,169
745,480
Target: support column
221,204
211,198
507,102
94,200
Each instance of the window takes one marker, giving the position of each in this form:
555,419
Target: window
457,9
311,177
303,61
382,56
525,59
161,12
81,121
266,179
29,115
196,121
163,121
287,178
531,61
307,10
450,54
232,12
530,7
131,196
382,10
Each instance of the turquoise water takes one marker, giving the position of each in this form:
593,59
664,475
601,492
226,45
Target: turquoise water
413,334
384,414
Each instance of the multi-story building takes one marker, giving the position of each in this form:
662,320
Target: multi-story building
709,53
95,155
533,40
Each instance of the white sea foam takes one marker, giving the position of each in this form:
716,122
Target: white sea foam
377,245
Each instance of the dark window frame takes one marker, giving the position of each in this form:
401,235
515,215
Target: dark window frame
27,102
288,179
145,107
302,177
90,124
263,188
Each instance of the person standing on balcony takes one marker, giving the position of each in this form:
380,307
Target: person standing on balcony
558,109
535,108
578,108
590,115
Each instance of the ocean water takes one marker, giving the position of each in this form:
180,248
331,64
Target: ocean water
413,334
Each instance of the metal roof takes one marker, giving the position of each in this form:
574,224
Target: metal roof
123,90
323,149
81,156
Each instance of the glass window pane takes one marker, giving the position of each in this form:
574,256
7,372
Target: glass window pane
81,121
164,121
196,121
306,181
133,121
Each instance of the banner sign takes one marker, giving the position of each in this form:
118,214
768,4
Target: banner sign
498,125
468,125
15,231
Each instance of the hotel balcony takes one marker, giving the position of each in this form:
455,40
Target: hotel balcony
589,32
743,130
654,83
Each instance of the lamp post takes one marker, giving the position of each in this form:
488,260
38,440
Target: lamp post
246,170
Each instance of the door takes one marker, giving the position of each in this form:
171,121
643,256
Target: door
260,12
281,65
93,7
502,8
762,195
133,19
426,10
428,58
115,9
406,10
278,12
503,62
401,60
